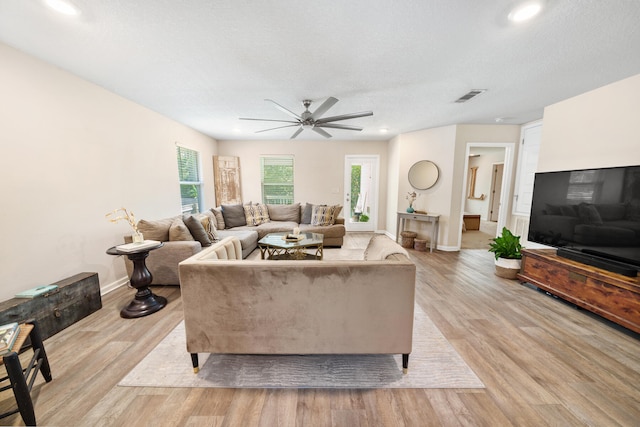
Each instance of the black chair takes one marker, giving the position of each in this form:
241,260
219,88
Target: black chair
21,379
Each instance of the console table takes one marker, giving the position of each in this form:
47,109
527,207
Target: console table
610,295
433,219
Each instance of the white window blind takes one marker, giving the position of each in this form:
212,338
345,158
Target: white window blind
190,180
277,179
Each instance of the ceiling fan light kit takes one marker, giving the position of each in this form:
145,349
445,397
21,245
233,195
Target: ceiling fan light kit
313,121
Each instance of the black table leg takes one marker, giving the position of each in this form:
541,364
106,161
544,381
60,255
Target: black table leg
145,301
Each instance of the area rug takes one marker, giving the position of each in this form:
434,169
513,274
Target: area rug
433,363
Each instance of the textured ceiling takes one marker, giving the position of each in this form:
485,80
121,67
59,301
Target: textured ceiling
205,63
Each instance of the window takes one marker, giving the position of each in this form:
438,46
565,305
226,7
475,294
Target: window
584,186
277,179
190,180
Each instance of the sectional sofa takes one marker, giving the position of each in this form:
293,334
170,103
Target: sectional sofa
241,306
184,236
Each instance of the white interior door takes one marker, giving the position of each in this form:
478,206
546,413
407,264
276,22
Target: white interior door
361,192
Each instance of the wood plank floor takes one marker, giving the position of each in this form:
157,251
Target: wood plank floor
543,363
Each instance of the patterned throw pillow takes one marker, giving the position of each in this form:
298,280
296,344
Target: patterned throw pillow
325,215
256,214
208,221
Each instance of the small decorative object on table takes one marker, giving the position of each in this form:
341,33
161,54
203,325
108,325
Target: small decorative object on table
411,197
137,236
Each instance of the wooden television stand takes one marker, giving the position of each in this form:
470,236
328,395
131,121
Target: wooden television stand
610,295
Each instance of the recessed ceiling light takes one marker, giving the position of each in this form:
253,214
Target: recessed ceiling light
525,11
384,130
62,6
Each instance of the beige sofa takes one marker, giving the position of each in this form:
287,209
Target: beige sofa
181,242
237,306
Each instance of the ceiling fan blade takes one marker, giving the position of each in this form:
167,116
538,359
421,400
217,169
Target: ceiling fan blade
335,126
324,107
283,109
279,127
296,133
321,132
269,120
345,117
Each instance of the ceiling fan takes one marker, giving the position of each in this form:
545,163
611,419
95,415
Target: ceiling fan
313,121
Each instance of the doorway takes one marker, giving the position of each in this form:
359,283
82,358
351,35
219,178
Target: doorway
361,192
493,163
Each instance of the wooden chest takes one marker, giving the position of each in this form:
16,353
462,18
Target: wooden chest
76,298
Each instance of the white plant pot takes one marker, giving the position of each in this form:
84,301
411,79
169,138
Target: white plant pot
508,268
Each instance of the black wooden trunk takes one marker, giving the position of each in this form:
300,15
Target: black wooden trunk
76,297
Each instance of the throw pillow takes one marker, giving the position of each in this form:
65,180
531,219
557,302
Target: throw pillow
179,231
217,212
306,214
155,230
197,230
289,213
324,215
256,214
208,221
233,216
589,214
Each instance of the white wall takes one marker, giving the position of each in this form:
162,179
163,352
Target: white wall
596,129
318,168
485,161
446,147
71,152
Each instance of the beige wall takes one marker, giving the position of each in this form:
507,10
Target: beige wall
71,152
446,146
318,168
596,129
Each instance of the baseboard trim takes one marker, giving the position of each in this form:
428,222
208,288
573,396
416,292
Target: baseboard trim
114,285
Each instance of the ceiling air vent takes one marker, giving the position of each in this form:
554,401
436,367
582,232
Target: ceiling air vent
470,95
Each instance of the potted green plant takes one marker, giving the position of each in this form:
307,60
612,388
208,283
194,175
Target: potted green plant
508,252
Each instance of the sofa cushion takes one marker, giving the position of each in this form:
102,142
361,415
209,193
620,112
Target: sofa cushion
156,230
288,213
325,215
256,214
329,231
233,215
217,213
248,238
179,231
275,227
589,214
611,211
197,230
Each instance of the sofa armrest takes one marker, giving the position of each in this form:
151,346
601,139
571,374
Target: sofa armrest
163,262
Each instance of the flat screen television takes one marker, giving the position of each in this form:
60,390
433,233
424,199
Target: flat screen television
591,215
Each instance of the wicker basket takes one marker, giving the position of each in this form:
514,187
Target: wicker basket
420,245
408,238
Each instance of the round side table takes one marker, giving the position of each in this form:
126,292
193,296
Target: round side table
145,302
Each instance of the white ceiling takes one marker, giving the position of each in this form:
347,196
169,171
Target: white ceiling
205,63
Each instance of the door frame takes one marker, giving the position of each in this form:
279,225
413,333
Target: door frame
492,197
372,224
509,149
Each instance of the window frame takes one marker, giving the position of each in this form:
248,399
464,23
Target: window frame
198,184
273,159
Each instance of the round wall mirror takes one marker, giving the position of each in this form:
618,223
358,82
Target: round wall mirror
423,175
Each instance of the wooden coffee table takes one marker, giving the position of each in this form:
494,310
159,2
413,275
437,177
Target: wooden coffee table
274,246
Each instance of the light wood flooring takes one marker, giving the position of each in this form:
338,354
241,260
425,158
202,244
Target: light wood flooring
543,363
